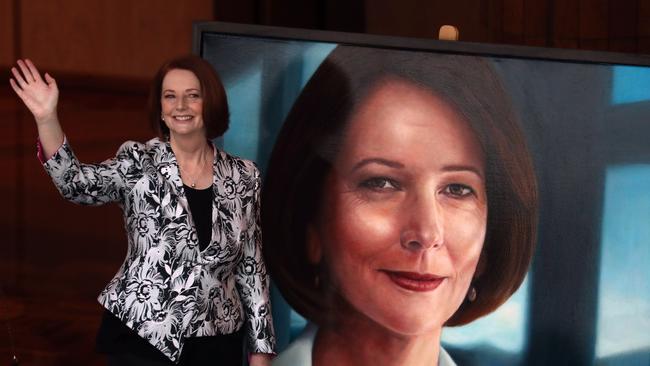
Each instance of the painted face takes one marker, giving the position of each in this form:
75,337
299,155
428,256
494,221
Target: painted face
182,103
405,209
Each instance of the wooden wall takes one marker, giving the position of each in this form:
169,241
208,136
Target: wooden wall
6,32
128,39
112,38
606,25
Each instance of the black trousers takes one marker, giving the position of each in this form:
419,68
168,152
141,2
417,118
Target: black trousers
221,350
123,347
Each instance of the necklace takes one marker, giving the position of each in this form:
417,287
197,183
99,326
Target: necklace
194,177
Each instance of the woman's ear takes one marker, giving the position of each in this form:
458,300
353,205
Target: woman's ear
314,247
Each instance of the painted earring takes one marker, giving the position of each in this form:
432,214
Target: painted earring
471,294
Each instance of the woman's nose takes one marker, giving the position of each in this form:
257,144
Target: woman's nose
181,103
423,224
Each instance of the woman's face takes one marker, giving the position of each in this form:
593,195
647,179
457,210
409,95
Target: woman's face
182,103
405,209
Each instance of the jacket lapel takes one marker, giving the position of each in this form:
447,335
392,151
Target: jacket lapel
167,166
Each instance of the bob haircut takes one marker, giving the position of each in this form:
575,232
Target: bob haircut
313,131
215,102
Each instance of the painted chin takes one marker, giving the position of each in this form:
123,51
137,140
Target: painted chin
414,282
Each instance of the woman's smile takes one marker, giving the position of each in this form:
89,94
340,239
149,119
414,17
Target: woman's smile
182,103
184,117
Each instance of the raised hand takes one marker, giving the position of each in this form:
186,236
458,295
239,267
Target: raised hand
40,96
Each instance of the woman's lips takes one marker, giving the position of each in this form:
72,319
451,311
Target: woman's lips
415,281
183,118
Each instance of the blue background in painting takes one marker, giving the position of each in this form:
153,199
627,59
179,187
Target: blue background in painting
586,300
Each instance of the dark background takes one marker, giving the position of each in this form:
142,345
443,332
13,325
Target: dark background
55,257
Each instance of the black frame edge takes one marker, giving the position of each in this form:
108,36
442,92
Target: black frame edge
416,44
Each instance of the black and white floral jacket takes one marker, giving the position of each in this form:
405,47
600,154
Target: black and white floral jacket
167,288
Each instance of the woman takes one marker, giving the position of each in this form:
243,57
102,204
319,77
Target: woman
194,273
402,186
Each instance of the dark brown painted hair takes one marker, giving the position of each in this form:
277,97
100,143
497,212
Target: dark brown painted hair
310,139
215,103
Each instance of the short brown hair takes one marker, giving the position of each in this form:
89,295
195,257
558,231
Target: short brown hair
310,139
215,102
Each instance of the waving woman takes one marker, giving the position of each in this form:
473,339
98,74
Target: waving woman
193,283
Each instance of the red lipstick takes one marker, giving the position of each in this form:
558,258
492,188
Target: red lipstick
415,281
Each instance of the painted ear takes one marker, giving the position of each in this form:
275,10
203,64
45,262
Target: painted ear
314,247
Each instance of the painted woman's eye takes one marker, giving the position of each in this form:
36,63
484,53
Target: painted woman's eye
458,190
380,184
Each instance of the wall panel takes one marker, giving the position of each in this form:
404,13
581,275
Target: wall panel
623,19
643,19
594,19
424,18
6,33
535,19
565,23
513,21
108,37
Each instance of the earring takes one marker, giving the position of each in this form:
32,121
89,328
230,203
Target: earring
162,116
471,294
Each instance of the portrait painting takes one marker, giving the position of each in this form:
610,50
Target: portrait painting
474,204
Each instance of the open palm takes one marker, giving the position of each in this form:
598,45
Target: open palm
40,96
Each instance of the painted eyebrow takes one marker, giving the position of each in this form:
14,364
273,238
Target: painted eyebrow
398,165
381,161
463,168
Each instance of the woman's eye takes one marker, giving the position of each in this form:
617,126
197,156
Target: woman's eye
380,184
169,96
458,190
194,96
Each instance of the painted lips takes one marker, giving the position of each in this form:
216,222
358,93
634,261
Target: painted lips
415,281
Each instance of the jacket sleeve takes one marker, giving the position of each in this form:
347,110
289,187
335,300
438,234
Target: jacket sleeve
253,281
91,184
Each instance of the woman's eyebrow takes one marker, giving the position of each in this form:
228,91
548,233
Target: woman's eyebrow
187,90
463,168
381,161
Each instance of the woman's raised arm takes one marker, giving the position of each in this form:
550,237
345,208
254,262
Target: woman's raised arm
41,98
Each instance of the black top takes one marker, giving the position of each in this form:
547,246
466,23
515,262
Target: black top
200,201
113,336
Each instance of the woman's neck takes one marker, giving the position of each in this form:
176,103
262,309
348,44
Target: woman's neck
364,342
190,150
194,157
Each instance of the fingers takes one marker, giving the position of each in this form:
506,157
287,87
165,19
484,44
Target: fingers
26,71
33,70
15,87
19,78
29,74
21,94
50,80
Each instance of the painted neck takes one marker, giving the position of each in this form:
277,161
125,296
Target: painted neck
364,342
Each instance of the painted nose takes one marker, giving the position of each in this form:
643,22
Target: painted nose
423,227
